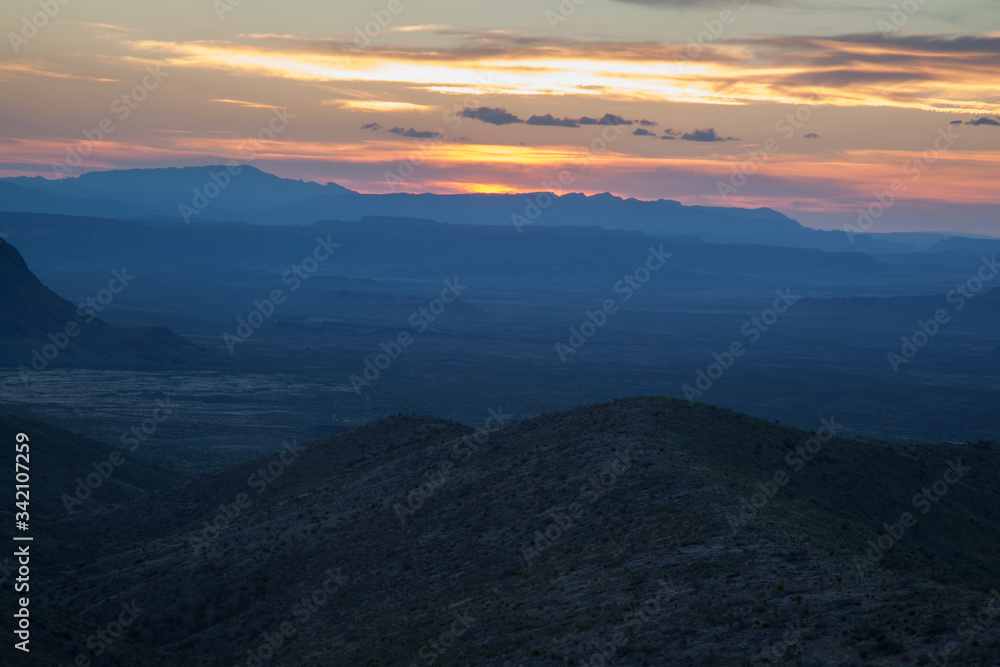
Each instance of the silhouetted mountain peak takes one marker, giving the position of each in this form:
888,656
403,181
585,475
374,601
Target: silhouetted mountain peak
11,260
212,192
33,317
27,307
167,175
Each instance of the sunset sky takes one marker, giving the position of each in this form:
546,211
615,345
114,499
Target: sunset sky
702,86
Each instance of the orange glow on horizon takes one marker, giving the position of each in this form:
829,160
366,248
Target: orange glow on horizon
845,179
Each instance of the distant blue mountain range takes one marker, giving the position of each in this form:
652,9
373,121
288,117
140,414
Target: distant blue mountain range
247,194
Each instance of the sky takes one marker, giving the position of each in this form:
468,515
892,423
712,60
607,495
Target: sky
817,109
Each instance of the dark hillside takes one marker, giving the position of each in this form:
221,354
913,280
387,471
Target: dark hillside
546,537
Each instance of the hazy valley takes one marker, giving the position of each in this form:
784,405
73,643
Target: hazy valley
398,441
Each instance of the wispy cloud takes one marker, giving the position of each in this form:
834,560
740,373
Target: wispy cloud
104,26
249,105
431,27
931,72
376,105
14,69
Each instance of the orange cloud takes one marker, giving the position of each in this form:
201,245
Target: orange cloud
248,105
13,69
839,180
928,75
376,105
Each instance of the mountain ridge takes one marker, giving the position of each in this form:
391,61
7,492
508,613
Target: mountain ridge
218,192
547,534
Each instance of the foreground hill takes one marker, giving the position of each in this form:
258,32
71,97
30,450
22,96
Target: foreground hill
654,531
66,472
65,464
39,329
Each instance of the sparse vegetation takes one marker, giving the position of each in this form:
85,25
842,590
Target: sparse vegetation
780,588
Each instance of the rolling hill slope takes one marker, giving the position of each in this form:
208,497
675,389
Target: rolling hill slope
620,528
